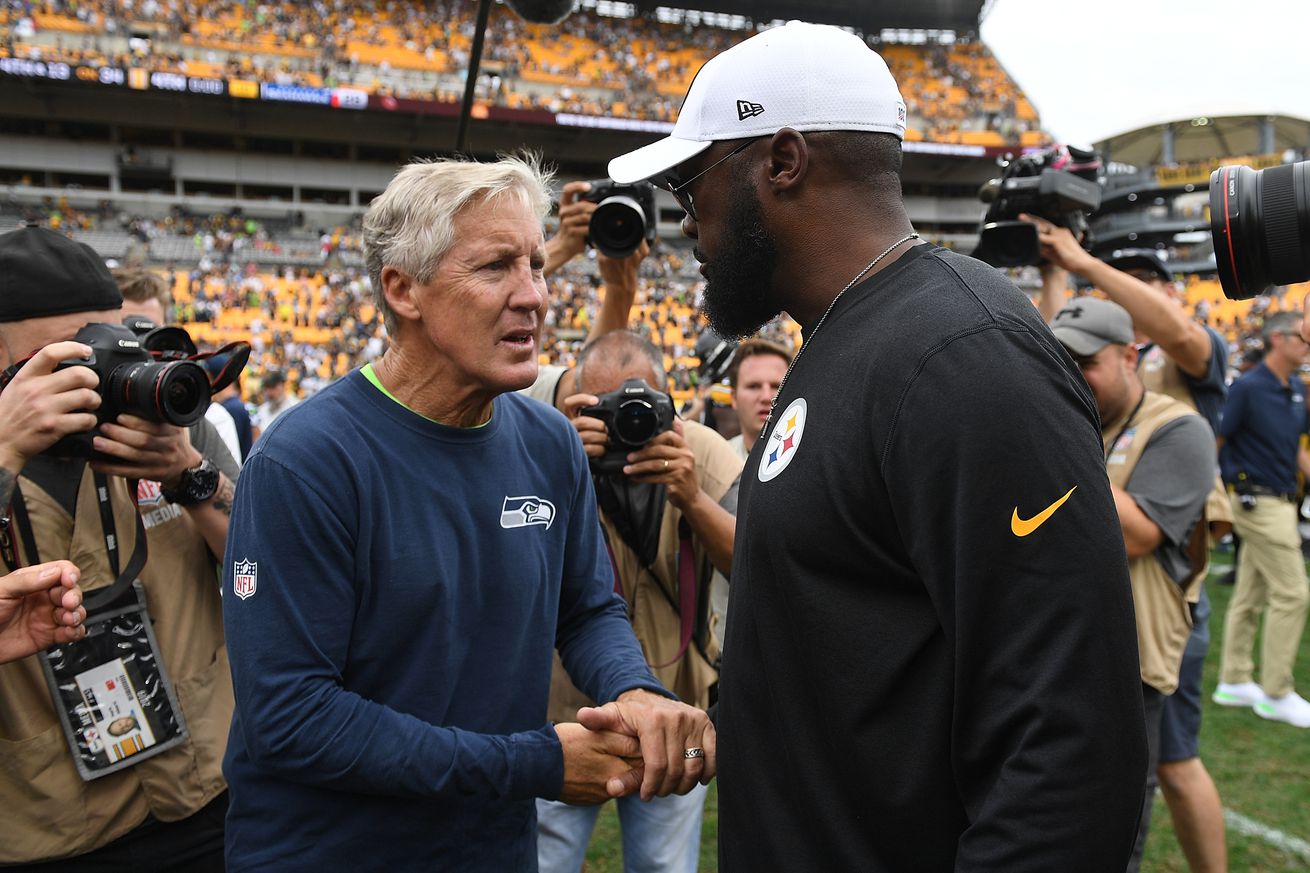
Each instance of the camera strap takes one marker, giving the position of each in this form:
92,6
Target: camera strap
99,598
688,595
1128,422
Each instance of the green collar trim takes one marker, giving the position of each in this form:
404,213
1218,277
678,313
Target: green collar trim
369,374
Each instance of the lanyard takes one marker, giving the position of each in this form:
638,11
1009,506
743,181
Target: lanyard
688,595
98,598
1127,424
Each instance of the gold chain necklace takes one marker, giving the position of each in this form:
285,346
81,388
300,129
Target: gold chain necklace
809,339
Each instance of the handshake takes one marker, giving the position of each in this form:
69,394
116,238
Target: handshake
640,742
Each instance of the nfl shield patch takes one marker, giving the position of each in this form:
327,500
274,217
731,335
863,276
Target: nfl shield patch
245,576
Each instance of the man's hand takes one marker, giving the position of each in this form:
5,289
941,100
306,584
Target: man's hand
146,450
621,273
1060,246
40,406
574,221
667,460
666,729
40,607
594,760
595,437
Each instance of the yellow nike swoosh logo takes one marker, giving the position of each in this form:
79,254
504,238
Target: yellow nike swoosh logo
1024,526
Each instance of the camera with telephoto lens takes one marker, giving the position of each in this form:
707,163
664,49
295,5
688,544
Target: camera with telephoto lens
1057,184
145,370
624,216
634,414
1260,222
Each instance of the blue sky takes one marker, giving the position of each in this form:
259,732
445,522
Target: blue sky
1101,68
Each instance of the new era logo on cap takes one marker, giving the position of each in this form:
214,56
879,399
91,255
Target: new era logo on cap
812,77
747,109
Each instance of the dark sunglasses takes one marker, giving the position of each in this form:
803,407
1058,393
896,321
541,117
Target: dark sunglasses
681,190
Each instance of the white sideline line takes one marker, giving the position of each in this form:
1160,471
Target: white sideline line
1279,840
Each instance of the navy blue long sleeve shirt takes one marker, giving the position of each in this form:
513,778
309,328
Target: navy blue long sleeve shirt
392,594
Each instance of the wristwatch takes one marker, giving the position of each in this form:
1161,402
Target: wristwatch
197,485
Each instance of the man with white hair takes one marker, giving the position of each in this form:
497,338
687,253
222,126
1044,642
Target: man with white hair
413,543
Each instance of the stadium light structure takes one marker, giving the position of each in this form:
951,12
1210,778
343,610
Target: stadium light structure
536,11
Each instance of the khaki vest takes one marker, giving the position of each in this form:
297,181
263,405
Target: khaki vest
655,619
1164,620
1161,375
48,811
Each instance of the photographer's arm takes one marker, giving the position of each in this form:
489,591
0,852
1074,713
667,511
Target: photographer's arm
1055,289
619,276
1154,314
574,219
1141,535
162,453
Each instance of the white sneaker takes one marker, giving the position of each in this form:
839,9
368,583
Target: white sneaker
1291,708
1240,694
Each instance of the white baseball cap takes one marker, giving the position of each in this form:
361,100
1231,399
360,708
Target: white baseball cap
808,77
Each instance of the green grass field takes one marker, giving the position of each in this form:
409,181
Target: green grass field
1262,769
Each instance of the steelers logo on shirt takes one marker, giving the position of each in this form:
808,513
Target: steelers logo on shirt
784,440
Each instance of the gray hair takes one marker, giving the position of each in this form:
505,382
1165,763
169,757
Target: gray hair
410,225
1280,322
618,350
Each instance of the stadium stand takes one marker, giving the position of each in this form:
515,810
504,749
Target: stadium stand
590,65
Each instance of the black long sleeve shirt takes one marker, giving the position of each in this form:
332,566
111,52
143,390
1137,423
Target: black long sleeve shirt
921,673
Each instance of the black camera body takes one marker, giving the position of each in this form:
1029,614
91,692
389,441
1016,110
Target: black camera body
144,370
634,414
1058,185
716,355
1260,222
624,216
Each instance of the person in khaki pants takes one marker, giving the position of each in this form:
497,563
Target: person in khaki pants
1259,455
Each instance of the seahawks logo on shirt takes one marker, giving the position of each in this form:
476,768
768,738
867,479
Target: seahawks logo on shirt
525,511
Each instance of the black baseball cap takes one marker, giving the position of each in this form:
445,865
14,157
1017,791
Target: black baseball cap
44,273
1140,259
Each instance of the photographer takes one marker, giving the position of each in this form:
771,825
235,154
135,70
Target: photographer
164,795
669,519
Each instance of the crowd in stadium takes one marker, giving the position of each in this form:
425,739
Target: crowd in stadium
592,64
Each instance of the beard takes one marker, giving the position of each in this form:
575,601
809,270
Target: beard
738,282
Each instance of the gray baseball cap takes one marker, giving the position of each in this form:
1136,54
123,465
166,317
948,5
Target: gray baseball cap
1088,324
